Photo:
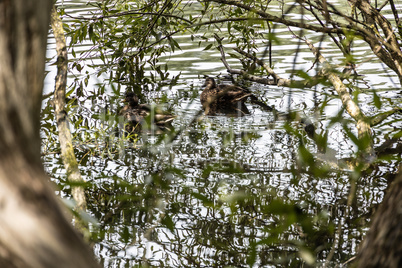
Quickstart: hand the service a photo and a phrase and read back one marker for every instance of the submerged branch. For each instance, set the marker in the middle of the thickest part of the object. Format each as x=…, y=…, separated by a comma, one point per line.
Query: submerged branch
x=67, y=150
x=279, y=81
x=250, y=77
x=390, y=146
x=276, y=81
x=382, y=116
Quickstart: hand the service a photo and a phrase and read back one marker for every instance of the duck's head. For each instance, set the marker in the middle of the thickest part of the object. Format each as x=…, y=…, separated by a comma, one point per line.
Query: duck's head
x=131, y=98
x=209, y=82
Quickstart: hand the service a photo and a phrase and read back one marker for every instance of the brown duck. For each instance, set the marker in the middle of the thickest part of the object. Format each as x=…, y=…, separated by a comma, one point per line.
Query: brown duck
x=142, y=116
x=223, y=99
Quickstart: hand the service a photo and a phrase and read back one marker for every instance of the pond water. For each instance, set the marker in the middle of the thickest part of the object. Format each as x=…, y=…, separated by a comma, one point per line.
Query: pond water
x=226, y=190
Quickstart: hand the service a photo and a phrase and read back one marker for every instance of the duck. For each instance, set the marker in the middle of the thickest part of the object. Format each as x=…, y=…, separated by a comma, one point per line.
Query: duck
x=223, y=99
x=139, y=117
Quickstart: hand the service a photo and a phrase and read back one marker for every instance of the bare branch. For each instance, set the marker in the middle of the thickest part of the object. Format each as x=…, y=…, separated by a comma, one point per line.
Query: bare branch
x=245, y=75
x=278, y=80
x=281, y=20
x=363, y=127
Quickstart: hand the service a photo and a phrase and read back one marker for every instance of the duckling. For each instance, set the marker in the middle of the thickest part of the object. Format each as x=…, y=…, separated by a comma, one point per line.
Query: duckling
x=225, y=99
x=137, y=114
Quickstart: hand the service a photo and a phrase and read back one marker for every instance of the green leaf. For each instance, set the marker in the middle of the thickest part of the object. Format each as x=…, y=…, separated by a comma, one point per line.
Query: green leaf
x=252, y=257
x=176, y=44
x=208, y=47
x=205, y=200
x=377, y=100
x=168, y=222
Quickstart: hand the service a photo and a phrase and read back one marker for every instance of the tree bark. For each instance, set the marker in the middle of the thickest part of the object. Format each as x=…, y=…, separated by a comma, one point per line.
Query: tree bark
x=385, y=46
x=67, y=149
x=34, y=230
x=382, y=246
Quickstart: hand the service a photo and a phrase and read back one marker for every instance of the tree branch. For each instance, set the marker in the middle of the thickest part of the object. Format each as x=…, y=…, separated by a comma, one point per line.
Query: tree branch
x=121, y=14
x=67, y=150
x=278, y=80
x=245, y=75
x=363, y=127
x=387, y=49
x=281, y=20
x=382, y=116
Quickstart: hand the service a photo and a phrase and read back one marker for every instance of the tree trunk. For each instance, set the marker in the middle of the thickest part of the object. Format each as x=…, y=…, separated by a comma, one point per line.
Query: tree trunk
x=382, y=247
x=66, y=143
x=34, y=230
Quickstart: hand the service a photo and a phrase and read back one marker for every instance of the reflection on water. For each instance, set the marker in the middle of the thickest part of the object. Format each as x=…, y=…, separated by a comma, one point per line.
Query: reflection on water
x=226, y=190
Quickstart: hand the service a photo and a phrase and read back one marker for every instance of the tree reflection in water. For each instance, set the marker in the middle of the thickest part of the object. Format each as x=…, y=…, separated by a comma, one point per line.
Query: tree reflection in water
x=217, y=197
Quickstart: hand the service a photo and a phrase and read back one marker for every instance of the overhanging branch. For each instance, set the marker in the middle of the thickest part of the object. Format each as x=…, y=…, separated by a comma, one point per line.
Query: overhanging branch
x=362, y=122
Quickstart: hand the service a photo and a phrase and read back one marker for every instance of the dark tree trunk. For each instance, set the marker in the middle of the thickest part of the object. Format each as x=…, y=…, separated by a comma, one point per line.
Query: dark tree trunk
x=383, y=245
x=34, y=230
